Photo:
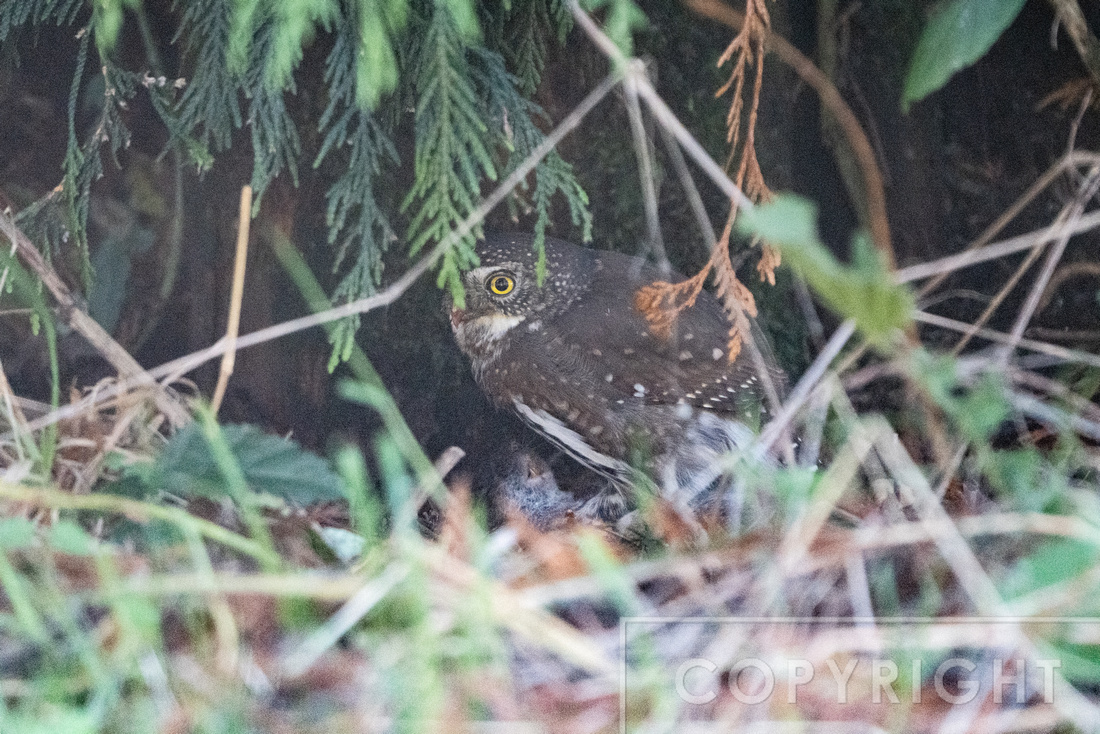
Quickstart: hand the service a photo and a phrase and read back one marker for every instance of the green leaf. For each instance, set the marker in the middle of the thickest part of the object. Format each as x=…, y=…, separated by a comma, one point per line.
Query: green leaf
x=68, y=537
x=1052, y=562
x=16, y=532
x=1019, y=473
x=958, y=34
x=984, y=409
x=51, y=718
x=864, y=291
x=271, y=465
x=621, y=21
x=346, y=545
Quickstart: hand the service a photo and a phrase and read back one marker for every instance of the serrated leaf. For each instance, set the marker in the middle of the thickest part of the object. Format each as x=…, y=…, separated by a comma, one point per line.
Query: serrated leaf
x=958, y=33
x=863, y=291
x=271, y=465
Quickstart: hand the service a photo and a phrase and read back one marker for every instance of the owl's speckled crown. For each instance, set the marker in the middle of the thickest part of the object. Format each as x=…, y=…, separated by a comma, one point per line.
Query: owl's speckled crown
x=569, y=269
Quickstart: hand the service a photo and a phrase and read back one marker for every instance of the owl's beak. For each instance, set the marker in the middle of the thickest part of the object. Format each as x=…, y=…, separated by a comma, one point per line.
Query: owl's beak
x=458, y=315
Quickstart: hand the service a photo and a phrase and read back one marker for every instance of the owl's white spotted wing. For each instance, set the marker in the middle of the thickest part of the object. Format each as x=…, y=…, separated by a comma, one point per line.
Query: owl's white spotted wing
x=691, y=367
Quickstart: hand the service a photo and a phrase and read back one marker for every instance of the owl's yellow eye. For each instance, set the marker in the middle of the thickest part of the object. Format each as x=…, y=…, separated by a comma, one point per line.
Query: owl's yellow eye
x=500, y=284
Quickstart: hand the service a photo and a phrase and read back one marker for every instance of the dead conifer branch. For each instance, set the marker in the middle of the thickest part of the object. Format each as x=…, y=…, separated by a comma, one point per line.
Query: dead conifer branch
x=831, y=100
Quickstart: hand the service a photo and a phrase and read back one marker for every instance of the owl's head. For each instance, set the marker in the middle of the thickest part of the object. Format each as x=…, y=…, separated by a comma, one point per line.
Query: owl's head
x=503, y=291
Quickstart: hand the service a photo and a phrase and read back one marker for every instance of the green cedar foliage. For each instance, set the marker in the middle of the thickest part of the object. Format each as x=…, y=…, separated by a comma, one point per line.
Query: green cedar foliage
x=468, y=70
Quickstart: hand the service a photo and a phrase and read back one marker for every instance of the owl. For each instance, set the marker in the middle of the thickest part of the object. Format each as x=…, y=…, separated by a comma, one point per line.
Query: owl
x=577, y=360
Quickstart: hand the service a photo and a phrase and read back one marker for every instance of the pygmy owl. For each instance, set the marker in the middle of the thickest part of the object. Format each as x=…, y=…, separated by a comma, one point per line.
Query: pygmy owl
x=579, y=362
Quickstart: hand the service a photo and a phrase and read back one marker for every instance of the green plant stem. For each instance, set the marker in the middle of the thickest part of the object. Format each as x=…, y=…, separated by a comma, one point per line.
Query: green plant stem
x=18, y=593
x=137, y=511
x=237, y=486
x=377, y=396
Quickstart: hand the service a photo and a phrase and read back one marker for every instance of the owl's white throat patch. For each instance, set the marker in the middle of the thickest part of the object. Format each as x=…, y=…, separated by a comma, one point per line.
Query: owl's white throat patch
x=480, y=337
x=494, y=326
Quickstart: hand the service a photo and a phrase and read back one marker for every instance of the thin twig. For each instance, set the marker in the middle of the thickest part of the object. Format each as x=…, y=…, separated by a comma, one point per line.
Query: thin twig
x=695, y=201
x=1066, y=163
x=997, y=250
x=353, y=610
x=996, y=301
x=134, y=510
x=646, y=171
x=806, y=385
x=77, y=318
x=636, y=77
x=1084, y=195
x=1049, y=414
x=1087, y=45
x=1036, y=381
x=1068, y=355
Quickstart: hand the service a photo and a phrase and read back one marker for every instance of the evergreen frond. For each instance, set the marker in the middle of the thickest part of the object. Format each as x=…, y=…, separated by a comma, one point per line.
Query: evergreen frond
x=275, y=141
x=472, y=118
x=83, y=162
x=353, y=216
x=532, y=21
x=529, y=45
x=451, y=152
x=510, y=111
x=17, y=13
x=271, y=38
x=210, y=109
x=379, y=22
x=296, y=22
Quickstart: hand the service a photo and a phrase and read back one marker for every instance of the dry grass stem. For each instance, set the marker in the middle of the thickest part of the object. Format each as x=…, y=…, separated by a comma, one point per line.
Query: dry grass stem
x=236, y=296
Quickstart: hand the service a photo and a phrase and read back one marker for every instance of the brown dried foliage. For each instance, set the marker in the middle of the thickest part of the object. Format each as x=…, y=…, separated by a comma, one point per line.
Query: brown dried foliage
x=661, y=302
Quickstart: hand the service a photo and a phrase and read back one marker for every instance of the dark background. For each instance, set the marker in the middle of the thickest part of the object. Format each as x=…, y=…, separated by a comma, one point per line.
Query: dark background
x=951, y=166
